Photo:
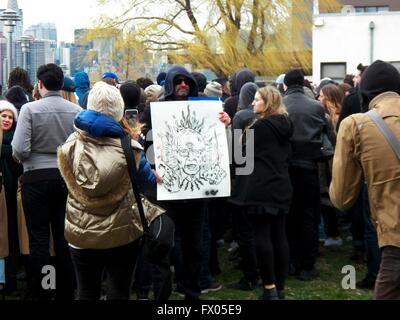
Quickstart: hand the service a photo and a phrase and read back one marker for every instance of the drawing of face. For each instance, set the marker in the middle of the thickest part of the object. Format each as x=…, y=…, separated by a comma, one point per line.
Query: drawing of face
x=190, y=151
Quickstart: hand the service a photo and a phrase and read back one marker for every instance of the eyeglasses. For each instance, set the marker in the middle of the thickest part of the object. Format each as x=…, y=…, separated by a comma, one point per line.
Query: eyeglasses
x=180, y=80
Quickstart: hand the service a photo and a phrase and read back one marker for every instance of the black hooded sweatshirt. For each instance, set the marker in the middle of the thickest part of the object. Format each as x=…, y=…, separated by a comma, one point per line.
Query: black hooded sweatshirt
x=268, y=185
x=238, y=81
x=169, y=93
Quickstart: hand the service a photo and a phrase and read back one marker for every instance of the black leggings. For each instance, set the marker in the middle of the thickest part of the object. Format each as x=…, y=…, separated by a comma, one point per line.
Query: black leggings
x=272, y=248
x=117, y=263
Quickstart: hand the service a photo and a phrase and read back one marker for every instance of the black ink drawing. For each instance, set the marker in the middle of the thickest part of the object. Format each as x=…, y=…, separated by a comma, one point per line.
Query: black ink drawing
x=189, y=159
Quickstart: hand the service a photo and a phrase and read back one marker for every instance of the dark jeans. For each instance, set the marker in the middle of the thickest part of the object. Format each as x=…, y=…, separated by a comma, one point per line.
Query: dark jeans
x=143, y=276
x=372, y=251
x=116, y=263
x=272, y=248
x=387, y=286
x=44, y=206
x=304, y=217
x=206, y=278
x=356, y=213
x=188, y=217
x=331, y=221
x=218, y=209
x=247, y=246
x=11, y=261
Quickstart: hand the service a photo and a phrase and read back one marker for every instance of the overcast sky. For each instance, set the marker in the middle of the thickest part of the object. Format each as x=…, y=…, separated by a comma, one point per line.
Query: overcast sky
x=66, y=14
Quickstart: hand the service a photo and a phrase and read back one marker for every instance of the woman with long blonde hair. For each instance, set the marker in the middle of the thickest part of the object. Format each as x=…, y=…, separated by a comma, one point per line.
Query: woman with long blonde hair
x=265, y=193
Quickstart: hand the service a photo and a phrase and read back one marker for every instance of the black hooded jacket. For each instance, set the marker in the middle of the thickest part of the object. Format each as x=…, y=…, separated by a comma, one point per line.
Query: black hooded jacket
x=268, y=185
x=145, y=118
x=238, y=81
x=169, y=82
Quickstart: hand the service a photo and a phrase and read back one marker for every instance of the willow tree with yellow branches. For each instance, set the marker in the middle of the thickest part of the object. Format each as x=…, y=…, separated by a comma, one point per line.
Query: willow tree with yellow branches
x=267, y=36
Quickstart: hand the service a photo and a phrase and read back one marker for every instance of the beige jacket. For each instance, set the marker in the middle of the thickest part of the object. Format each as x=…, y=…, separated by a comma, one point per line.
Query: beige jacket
x=363, y=154
x=101, y=208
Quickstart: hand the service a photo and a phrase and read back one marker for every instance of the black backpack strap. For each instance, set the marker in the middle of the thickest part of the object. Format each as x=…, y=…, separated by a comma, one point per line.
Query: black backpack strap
x=130, y=160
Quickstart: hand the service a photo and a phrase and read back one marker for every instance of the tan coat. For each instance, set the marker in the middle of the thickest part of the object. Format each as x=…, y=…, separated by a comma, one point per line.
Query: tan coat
x=3, y=213
x=362, y=153
x=99, y=207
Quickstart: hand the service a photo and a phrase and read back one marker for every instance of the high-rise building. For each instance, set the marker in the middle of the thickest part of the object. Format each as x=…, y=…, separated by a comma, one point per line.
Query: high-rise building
x=13, y=4
x=40, y=52
x=43, y=31
x=3, y=54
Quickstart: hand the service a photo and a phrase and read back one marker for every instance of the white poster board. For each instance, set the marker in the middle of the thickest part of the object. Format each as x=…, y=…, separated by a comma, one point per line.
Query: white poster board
x=191, y=150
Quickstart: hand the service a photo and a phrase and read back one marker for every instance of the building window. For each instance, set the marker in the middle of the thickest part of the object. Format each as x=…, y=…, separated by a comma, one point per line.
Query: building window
x=336, y=71
x=383, y=8
x=372, y=9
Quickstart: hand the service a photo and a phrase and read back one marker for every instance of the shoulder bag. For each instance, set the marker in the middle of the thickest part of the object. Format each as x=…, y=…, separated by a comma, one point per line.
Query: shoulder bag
x=158, y=238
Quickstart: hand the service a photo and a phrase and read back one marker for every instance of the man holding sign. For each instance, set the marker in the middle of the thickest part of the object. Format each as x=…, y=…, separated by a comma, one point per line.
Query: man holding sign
x=187, y=145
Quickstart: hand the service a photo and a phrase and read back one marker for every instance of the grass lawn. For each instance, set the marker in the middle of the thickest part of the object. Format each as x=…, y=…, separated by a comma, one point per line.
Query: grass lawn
x=326, y=287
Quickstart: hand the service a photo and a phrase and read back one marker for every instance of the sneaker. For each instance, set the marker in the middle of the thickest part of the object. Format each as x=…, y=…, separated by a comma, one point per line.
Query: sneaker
x=243, y=285
x=331, y=242
x=179, y=290
x=214, y=287
x=308, y=275
x=270, y=294
x=233, y=246
x=366, y=283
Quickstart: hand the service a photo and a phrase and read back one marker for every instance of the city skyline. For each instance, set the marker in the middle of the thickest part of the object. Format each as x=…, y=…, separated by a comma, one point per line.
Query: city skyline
x=67, y=16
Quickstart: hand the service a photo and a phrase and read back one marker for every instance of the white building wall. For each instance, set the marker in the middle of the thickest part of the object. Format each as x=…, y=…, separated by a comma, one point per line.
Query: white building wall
x=346, y=38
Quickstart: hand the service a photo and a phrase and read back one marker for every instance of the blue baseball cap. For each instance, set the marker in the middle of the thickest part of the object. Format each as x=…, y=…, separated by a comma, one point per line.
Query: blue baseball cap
x=68, y=85
x=110, y=75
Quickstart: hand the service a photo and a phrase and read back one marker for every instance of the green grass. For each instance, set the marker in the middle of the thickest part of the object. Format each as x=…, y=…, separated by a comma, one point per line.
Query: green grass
x=326, y=287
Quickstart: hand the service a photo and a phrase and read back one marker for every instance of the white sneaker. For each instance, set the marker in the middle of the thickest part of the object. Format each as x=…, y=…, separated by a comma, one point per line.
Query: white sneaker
x=330, y=242
x=233, y=246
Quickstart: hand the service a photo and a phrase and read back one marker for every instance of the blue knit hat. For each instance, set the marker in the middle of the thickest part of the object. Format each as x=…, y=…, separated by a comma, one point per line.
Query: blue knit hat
x=68, y=85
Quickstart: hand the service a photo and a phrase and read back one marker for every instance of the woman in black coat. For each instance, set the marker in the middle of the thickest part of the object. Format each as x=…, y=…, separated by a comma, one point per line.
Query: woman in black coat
x=266, y=192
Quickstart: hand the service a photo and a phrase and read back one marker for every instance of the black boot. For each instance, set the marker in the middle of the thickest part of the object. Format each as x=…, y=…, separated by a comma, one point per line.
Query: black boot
x=270, y=294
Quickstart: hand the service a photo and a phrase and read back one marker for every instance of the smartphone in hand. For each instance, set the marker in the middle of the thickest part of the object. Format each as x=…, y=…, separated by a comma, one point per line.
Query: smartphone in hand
x=131, y=115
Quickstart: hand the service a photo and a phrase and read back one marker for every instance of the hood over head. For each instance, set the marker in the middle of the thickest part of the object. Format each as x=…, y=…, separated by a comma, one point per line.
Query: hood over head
x=81, y=80
x=242, y=77
x=201, y=80
x=247, y=94
x=169, y=82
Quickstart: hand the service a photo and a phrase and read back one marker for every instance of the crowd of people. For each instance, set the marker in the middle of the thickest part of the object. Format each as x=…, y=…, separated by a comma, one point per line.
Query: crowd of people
x=67, y=200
